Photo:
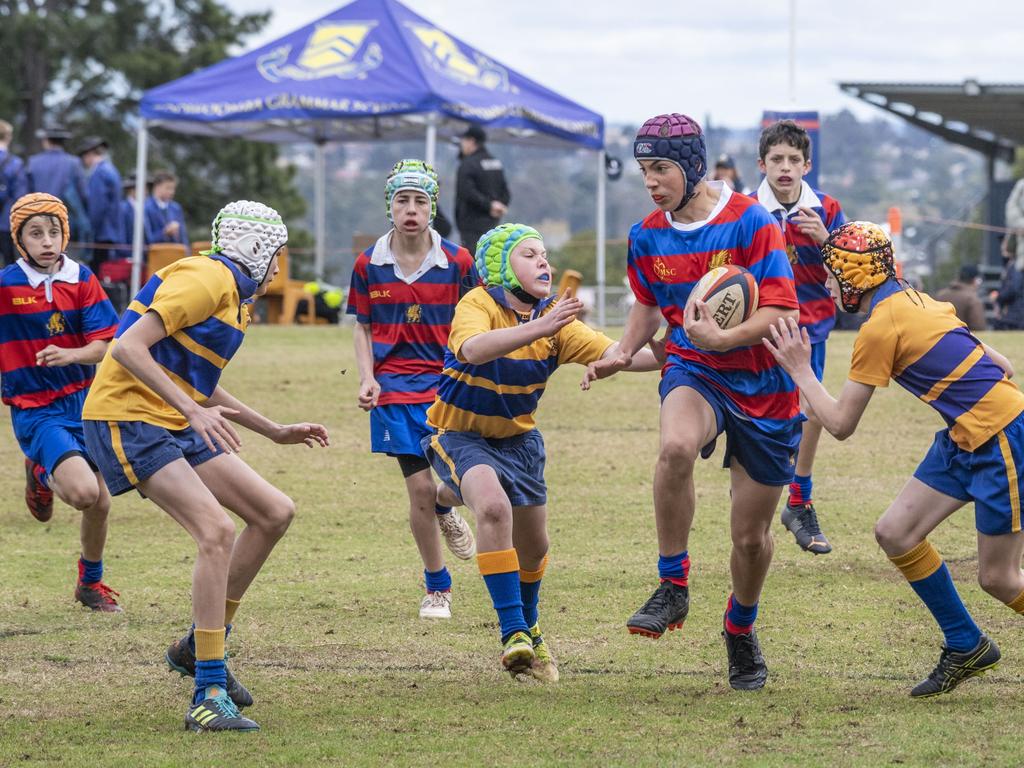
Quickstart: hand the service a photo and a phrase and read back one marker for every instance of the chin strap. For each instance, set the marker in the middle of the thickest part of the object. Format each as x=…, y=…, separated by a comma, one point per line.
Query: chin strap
x=523, y=296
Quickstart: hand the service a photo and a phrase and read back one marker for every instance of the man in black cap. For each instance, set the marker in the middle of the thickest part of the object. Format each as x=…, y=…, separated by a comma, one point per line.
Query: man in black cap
x=103, y=201
x=725, y=170
x=481, y=194
x=58, y=173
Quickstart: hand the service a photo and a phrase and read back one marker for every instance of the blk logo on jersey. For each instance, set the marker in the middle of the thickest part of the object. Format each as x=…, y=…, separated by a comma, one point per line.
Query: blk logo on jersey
x=22, y=300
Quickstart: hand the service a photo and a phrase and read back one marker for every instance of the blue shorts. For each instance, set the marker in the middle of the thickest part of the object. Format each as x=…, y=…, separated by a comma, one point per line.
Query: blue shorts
x=768, y=457
x=128, y=452
x=818, y=360
x=51, y=433
x=398, y=429
x=992, y=476
x=517, y=461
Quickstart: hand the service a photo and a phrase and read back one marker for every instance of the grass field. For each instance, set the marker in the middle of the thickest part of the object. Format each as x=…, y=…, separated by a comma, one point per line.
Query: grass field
x=344, y=673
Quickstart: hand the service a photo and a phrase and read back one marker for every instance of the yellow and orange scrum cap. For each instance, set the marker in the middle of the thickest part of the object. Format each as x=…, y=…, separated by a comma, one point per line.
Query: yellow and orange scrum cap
x=36, y=204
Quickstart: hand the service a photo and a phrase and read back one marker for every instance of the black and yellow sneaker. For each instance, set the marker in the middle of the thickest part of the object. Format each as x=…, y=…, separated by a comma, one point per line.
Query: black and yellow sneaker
x=747, y=670
x=956, y=666
x=517, y=653
x=802, y=521
x=666, y=609
x=216, y=712
x=182, y=659
x=543, y=667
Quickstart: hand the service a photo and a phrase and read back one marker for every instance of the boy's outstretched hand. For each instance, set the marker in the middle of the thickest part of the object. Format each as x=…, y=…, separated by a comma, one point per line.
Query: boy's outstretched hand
x=564, y=312
x=789, y=345
x=310, y=434
x=605, y=367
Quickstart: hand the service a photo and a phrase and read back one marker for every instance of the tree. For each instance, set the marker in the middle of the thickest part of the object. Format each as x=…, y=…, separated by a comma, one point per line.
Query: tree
x=85, y=64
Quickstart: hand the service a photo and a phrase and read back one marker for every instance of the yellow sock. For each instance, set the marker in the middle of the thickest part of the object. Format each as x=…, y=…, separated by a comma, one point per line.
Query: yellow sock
x=919, y=563
x=209, y=644
x=1017, y=603
x=230, y=606
x=502, y=561
x=533, y=576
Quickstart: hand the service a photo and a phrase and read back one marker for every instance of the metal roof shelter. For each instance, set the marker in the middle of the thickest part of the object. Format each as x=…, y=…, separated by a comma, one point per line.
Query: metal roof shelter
x=986, y=117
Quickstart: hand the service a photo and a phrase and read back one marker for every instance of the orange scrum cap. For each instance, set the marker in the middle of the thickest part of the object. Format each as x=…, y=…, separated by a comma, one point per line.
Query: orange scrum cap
x=36, y=204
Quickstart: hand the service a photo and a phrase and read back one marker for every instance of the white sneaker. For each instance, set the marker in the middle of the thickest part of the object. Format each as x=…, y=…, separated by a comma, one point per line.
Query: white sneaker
x=457, y=534
x=436, y=605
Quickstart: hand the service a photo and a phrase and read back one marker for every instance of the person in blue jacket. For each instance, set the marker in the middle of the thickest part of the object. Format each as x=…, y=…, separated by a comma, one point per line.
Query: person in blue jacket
x=165, y=221
x=103, y=190
x=13, y=184
x=56, y=172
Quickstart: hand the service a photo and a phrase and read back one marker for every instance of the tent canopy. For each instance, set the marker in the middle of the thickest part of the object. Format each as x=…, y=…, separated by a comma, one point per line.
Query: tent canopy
x=368, y=71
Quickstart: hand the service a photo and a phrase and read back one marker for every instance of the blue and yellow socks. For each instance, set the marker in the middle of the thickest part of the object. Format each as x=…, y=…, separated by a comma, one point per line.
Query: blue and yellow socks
x=739, y=618
x=501, y=575
x=438, y=581
x=675, y=568
x=929, y=577
x=800, y=490
x=90, y=572
x=529, y=590
x=210, y=667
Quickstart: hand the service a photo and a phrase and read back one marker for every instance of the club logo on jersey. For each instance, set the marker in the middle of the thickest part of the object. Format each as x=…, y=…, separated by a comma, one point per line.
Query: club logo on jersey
x=791, y=253
x=56, y=325
x=333, y=50
x=22, y=300
x=446, y=57
x=663, y=270
x=414, y=314
x=719, y=259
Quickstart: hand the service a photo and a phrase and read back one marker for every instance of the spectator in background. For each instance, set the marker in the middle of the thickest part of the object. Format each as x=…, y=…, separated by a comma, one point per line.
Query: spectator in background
x=55, y=172
x=962, y=293
x=127, y=213
x=1013, y=244
x=1009, y=298
x=165, y=221
x=725, y=170
x=481, y=193
x=13, y=184
x=103, y=189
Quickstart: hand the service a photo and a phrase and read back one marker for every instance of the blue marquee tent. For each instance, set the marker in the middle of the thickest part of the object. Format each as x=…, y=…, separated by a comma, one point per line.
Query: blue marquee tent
x=371, y=70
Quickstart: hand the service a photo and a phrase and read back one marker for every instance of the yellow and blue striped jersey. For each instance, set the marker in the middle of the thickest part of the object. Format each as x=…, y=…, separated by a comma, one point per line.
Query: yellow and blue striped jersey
x=499, y=399
x=200, y=300
x=926, y=349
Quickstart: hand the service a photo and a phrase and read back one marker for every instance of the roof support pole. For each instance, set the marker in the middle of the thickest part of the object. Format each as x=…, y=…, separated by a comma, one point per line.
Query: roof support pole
x=993, y=216
x=430, y=152
x=320, y=206
x=601, y=225
x=138, y=235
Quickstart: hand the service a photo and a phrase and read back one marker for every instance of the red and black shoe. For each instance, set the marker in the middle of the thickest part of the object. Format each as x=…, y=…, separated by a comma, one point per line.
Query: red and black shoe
x=98, y=597
x=38, y=497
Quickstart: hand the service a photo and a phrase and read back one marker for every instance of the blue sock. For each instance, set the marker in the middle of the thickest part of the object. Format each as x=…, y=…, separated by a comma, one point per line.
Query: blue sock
x=438, y=581
x=939, y=594
x=438, y=509
x=529, y=591
x=739, y=619
x=508, y=602
x=800, y=490
x=212, y=672
x=90, y=572
x=675, y=568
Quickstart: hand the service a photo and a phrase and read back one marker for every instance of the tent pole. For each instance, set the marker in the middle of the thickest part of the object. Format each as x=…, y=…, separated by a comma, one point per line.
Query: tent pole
x=320, y=207
x=142, y=139
x=601, y=180
x=431, y=148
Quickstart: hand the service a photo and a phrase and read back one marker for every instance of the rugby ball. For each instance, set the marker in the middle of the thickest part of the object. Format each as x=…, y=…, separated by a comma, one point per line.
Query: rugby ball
x=730, y=293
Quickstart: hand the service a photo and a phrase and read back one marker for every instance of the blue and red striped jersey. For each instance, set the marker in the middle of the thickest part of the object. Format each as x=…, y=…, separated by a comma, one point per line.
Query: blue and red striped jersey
x=409, y=321
x=665, y=261
x=817, y=310
x=66, y=309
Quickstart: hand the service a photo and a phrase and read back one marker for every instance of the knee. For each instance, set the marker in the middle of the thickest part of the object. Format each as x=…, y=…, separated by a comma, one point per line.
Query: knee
x=83, y=496
x=492, y=512
x=1001, y=583
x=892, y=539
x=680, y=455
x=279, y=517
x=217, y=537
x=751, y=544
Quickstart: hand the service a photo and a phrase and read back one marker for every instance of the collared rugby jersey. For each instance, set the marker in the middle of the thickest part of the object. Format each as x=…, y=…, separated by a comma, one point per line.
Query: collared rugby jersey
x=409, y=321
x=499, y=399
x=66, y=309
x=817, y=309
x=666, y=259
x=924, y=347
x=200, y=301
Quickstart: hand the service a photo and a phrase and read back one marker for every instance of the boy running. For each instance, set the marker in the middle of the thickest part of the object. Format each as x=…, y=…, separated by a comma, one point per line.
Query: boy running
x=403, y=294
x=714, y=381
x=157, y=420
x=506, y=340
x=806, y=216
x=55, y=325
x=922, y=345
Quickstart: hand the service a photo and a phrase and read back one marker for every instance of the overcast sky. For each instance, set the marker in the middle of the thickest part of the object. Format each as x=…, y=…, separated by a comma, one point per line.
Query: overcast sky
x=723, y=58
